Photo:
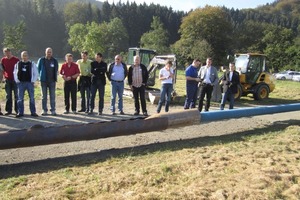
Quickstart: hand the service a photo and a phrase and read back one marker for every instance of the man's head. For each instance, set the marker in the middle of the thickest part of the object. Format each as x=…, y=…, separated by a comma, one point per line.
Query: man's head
x=7, y=52
x=231, y=67
x=48, y=53
x=196, y=63
x=98, y=57
x=137, y=60
x=24, y=56
x=169, y=64
x=69, y=58
x=208, y=61
x=118, y=59
x=84, y=55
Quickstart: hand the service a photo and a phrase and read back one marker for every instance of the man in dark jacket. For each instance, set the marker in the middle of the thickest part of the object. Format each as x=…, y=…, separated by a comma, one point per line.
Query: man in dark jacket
x=48, y=70
x=137, y=80
x=230, y=84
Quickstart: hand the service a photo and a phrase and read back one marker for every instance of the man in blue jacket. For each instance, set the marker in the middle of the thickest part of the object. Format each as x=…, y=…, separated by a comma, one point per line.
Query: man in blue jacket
x=48, y=68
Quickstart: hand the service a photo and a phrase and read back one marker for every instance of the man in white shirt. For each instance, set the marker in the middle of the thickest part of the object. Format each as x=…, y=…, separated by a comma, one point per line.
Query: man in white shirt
x=209, y=78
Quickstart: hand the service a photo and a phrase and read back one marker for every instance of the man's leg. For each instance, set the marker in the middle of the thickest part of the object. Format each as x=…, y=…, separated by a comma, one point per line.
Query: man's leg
x=15, y=89
x=101, y=91
x=44, y=97
x=8, y=91
x=88, y=98
x=143, y=99
x=135, y=92
x=223, y=101
x=52, y=89
x=201, y=97
x=189, y=96
x=93, y=96
x=21, y=90
x=73, y=95
x=82, y=95
x=67, y=91
x=120, y=95
x=231, y=100
x=168, y=98
x=30, y=88
x=162, y=98
x=113, y=96
x=208, y=96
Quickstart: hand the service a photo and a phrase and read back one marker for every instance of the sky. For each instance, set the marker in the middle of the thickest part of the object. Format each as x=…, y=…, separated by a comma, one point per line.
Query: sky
x=187, y=5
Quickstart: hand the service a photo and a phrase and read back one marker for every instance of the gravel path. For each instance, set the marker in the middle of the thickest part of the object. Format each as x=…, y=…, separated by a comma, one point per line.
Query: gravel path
x=39, y=153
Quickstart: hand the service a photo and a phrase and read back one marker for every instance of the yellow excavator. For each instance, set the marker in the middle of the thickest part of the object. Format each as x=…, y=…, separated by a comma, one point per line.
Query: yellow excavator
x=254, y=76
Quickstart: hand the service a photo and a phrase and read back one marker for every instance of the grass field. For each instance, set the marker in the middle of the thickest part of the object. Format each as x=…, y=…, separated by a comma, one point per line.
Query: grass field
x=258, y=164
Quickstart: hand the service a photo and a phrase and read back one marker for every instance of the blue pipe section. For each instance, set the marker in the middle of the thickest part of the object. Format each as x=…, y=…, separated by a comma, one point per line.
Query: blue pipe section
x=247, y=112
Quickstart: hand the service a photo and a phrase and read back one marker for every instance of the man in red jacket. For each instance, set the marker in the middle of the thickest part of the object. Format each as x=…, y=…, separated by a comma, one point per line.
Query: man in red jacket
x=8, y=63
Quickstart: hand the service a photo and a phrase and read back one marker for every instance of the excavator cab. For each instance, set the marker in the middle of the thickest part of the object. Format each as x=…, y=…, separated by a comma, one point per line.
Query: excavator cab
x=146, y=55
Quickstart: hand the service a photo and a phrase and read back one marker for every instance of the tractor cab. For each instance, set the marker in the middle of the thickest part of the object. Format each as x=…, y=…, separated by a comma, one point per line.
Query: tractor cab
x=146, y=55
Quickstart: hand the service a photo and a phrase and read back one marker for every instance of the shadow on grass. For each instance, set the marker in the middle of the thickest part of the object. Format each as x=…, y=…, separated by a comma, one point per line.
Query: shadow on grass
x=42, y=166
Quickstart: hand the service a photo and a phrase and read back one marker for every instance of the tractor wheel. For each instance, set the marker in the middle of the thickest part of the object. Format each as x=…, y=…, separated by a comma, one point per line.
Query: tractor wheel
x=238, y=95
x=262, y=92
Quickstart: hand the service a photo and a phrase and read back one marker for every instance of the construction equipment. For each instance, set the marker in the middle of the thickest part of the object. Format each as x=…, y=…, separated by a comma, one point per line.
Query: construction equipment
x=153, y=63
x=254, y=76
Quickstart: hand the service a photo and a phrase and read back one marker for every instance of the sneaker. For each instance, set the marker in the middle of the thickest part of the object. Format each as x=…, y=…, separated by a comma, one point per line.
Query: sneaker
x=19, y=115
x=145, y=113
x=122, y=113
x=100, y=113
x=34, y=115
x=7, y=113
x=66, y=112
x=74, y=111
x=44, y=113
x=136, y=113
x=91, y=112
x=53, y=113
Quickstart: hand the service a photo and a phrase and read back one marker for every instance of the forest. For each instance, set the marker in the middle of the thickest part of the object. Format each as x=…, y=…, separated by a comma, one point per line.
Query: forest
x=73, y=26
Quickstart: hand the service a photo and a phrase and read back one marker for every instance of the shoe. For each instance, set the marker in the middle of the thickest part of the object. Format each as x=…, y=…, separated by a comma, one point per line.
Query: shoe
x=44, y=113
x=122, y=113
x=113, y=113
x=81, y=110
x=53, y=113
x=145, y=113
x=74, y=112
x=34, y=115
x=100, y=113
x=7, y=113
x=91, y=112
x=19, y=115
x=1, y=113
x=66, y=112
x=136, y=113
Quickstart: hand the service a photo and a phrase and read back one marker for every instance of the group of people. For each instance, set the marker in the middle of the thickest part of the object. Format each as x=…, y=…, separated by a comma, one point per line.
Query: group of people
x=20, y=75
x=200, y=84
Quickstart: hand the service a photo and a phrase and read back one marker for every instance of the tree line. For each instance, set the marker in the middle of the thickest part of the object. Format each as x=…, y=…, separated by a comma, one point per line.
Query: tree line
x=95, y=26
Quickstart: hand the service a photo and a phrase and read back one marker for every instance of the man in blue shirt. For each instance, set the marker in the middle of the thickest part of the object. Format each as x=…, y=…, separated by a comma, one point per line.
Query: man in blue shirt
x=192, y=80
x=117, y=72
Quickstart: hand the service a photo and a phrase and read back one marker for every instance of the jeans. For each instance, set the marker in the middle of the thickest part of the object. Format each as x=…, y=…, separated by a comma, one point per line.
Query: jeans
x=22, y=86
x=10, y=86
x=117, y=88
x=52, y=87
x=85, y=93
x=205, y=89
x=98, y=85
x=227, y=95
x=139, y=93
x=191, y=95
x=165, y=97
x=70, y=87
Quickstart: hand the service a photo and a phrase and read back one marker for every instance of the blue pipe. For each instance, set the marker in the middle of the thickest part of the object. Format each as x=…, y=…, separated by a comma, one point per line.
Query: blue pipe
x=247, y=112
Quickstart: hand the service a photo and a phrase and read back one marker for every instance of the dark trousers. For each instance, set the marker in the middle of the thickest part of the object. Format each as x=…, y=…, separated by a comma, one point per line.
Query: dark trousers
x=98, y=85
x=205, y=89
x=85, y=93
x=70, y=88
x=139, y=93
x=10, y=87
x=191, y=95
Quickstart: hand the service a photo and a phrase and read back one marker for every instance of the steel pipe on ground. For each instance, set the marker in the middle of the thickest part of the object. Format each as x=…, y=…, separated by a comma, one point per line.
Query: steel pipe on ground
x=39, y=135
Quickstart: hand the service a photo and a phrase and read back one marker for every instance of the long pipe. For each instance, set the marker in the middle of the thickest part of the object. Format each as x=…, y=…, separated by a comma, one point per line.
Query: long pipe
x=39, y=135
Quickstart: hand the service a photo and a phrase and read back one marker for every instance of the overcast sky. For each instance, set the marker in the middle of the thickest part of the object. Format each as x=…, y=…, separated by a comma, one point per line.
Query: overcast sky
x=187, y=5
